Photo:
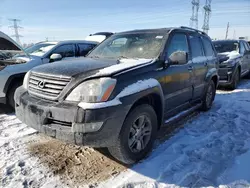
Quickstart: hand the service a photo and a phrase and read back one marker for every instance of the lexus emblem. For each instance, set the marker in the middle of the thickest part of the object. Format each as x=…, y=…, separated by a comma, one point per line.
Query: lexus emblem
x=41, y=84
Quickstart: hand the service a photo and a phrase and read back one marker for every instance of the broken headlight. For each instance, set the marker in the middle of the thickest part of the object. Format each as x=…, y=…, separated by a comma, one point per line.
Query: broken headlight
x=98, y=90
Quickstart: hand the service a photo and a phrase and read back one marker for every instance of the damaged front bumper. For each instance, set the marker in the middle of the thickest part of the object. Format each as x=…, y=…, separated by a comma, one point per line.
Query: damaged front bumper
x=70, y=123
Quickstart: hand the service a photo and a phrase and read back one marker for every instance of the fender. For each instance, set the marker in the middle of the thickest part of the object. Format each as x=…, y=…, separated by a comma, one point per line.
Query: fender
x=11, y=78
x=211, y=73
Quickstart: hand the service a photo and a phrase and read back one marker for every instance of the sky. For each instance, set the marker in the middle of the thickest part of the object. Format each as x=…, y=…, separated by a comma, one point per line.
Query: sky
x=75, y=19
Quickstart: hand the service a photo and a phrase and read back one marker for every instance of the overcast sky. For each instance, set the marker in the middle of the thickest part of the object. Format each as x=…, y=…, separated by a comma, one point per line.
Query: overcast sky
x=75, y=19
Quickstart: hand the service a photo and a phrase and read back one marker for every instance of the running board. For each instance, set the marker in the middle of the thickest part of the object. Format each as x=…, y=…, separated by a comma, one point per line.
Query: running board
x=181, y=115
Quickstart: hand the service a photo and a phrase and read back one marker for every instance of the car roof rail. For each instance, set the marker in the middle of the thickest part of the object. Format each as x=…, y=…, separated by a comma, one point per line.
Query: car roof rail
x=192, y=29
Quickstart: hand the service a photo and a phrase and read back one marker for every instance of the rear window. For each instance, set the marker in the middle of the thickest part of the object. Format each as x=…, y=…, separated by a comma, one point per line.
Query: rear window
x=196, y=47
x=85, y=48
x=207, y=47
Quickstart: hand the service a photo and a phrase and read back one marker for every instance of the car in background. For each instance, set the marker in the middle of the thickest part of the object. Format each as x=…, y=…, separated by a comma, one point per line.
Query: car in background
x=123, y=92
x=99, y=37
x=234, y=58
x=15, y=61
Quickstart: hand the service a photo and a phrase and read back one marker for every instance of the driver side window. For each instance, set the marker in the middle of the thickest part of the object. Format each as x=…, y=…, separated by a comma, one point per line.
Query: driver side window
x=66, y=50
x=178, y=43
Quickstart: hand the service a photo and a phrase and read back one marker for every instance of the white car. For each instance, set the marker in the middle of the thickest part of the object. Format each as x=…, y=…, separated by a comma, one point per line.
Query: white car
x=15, y=62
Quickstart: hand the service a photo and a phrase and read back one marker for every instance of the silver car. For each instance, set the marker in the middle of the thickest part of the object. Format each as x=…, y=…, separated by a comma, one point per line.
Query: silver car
x=15, y=62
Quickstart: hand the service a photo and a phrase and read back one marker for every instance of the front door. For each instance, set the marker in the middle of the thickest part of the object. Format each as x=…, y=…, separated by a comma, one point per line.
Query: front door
x=178, y=85
x=200, y=65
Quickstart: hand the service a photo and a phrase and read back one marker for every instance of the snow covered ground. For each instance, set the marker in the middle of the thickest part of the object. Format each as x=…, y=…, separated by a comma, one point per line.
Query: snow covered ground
x=211, y=149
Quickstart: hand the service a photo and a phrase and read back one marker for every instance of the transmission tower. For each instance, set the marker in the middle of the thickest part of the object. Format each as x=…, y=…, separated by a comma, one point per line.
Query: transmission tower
x=16, y=27
x=195, y=10
x=207, y=9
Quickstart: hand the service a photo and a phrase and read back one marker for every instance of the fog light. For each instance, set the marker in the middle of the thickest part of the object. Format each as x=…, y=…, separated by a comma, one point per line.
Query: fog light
x=86, y=127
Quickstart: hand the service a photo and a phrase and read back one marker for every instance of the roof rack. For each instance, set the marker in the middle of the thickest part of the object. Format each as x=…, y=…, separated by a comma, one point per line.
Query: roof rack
x=192, y=29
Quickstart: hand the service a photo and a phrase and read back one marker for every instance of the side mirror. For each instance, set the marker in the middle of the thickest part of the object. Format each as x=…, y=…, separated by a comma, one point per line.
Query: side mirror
x=178, y=58
x=55, y=57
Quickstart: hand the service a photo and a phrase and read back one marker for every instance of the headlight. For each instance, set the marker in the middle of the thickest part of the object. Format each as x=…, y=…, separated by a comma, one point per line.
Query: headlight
x=230, y=63
x=98, y=90
x=26, y=80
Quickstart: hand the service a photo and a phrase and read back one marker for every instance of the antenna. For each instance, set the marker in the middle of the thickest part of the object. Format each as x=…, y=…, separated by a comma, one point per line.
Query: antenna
x=16, y=27
x=227, y=30
x=207, y=9
x=194, y=17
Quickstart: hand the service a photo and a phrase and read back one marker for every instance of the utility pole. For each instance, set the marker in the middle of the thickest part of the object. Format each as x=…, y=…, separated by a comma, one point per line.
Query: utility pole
x=207, y=9
x=15, y=26
x=227, y=30
x=195, y=10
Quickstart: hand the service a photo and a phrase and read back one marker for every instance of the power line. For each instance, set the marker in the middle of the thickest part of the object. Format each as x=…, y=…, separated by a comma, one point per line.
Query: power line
x=195, y=10
x=207, y=9
x=16, y=27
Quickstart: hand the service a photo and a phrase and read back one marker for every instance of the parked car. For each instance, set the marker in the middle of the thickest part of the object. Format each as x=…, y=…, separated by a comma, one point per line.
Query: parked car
x=123, y=92
x=15, y=62
x=234, y=58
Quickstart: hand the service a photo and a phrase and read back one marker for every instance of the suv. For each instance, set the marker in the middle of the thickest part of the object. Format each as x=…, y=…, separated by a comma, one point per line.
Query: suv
x=126, y=89
x=15, y=62
x=234, y=58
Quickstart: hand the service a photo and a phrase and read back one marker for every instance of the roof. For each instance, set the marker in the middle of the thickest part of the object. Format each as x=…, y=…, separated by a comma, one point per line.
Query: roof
x=165, y=30
x=77, y=41
x=226, y=40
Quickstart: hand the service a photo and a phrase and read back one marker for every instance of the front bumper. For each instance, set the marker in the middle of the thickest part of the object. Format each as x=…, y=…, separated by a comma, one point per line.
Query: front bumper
x=226, y=76
x=58, y=120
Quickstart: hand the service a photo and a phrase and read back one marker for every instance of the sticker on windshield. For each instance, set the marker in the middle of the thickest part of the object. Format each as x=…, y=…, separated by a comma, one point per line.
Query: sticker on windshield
x=159, y=37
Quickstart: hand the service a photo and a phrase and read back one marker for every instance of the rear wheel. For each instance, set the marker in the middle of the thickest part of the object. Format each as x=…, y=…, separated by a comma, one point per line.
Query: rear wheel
x=137, y=135
x=236, y=80
x=209, y=96
x=11, y=93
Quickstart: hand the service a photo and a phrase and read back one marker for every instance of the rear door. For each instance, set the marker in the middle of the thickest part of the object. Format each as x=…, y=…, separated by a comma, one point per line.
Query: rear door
x=178, y=85
x=247, y=53
x=200, y=65
x=244, y=60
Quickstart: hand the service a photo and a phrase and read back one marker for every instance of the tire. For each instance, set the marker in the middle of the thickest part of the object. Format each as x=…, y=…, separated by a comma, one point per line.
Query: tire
x=236, y=80
x=209, y=96
x=127, y=148
x=10, y=95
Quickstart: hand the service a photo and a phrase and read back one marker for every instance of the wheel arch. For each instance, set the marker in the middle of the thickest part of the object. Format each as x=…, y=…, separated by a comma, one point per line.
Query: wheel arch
x=12, y=80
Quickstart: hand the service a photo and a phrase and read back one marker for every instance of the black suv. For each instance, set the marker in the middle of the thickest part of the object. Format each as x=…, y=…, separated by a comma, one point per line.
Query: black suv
x=123, y=92
x=234, y=57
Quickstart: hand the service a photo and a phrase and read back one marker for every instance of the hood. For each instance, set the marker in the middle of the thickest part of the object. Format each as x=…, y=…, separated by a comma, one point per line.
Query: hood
x=9, y=45
x=89, y=67
x=226, y=56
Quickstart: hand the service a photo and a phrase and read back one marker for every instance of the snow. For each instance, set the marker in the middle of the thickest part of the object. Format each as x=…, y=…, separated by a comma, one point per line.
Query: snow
x=124, y=64
x=232, y=54
x=96, y=38
x=129, y=90
x=211, y=149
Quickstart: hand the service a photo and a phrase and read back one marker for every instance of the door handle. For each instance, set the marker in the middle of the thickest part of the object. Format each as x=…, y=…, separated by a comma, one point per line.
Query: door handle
x=190, y=68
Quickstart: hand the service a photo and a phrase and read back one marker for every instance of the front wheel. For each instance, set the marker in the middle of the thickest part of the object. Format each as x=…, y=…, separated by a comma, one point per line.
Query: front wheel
x=209, y=96
x=137, y=135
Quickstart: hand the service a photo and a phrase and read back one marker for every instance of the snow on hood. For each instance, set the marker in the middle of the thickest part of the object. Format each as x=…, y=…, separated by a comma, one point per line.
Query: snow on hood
x=232, y=54
x=129, y=90
x=124, y=64
x=96, y=38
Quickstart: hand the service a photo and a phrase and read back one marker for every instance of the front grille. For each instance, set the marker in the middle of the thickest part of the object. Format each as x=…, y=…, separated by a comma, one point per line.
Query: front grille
x=47, y=86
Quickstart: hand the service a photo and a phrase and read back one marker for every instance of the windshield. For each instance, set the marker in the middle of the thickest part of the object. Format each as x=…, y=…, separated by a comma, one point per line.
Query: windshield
x=130, y=45
x=41, y=50
x=222, y=47
x=36, y=47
